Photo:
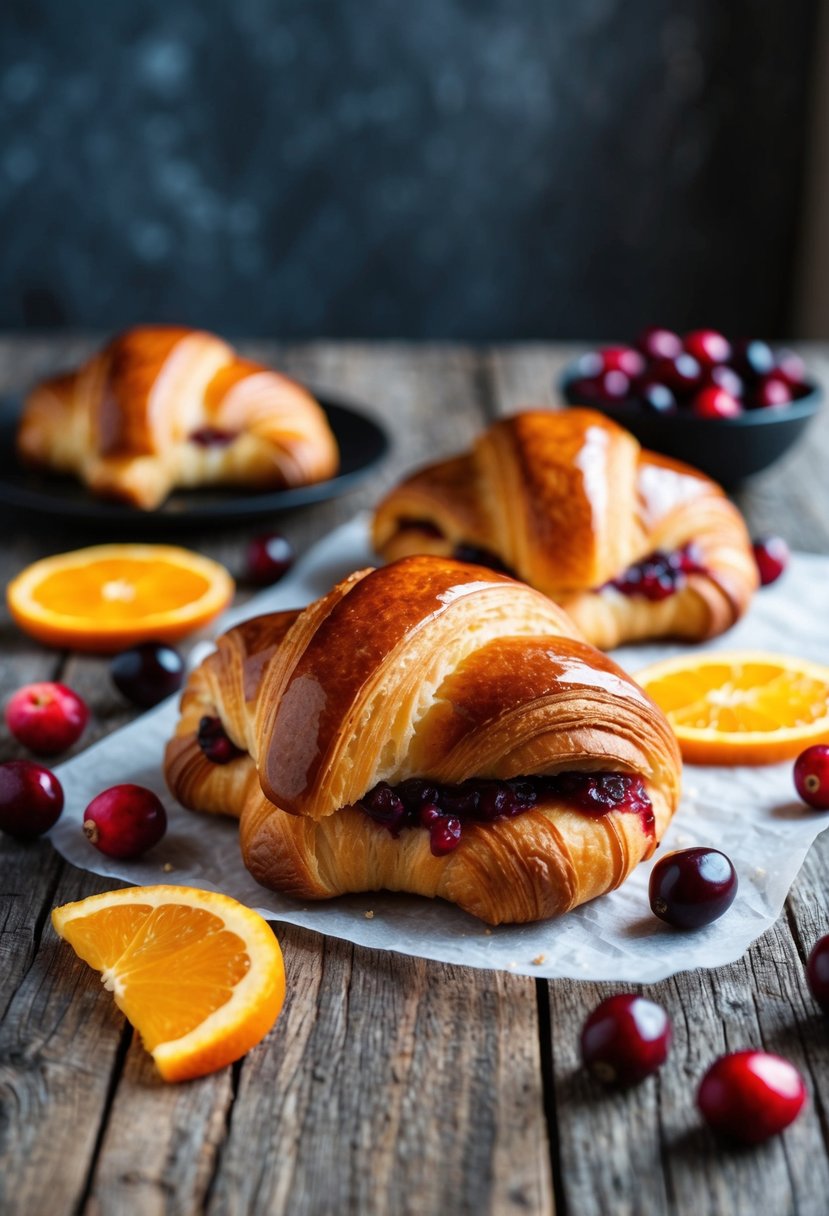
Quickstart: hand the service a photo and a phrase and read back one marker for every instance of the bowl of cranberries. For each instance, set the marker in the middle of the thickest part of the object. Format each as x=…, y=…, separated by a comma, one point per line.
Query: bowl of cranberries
x=728, y=407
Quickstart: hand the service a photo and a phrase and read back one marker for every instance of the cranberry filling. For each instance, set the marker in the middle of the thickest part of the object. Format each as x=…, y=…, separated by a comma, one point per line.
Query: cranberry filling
x=214, y=741
x=659, y=574
x=211, y=437
x=421, y=525
x=444, y=809
x=481, y=557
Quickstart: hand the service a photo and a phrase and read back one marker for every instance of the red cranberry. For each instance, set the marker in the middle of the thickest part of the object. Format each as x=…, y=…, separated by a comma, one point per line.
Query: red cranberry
x=583, y=390
x=655, y=397
x=625, y=1039
x=682, y=374
x=751, y=1095
x=771, y=391
x=751, y=357
x=148, y=673
x=269, y=558
x=125, y=821
x=708, y=347
x=46, y=717
x=713, y=402
x=31, y=799
x=692, y=887
x=811, y=776
x=214, y=741
x=622, y=359
x=723, y=376
x=817, y=972
x=612, y=387
x=656, y=342
x=444, y=835
x=212, y=437
x=771, y=554
x=791, y=368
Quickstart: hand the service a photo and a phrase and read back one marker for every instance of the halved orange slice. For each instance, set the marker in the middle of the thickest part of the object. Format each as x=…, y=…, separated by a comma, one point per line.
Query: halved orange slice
x=110, y=596
x=741, y=708
x=199, y=975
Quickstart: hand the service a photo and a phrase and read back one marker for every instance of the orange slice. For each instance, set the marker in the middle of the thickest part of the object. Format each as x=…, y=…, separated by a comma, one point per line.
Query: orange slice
x=111, y=596
x=741, y=708
x=196, y=973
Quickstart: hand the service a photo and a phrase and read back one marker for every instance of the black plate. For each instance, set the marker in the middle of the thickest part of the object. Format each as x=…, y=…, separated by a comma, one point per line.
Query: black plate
x=362, y=443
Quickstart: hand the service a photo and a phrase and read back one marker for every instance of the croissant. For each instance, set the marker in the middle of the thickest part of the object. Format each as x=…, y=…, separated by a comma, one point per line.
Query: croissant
x=631, y=544
x=162, y=407
x=431, y=727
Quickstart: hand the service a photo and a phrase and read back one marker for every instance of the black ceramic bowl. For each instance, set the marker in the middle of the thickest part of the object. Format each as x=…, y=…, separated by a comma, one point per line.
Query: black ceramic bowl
x=727, y=449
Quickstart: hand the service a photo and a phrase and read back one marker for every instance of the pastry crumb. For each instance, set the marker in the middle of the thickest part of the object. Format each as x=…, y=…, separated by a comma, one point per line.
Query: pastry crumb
x=759, y=872
x=539, y=959
x=512, y=966
x=168, y=867
x=368, y=915
x=488, y=932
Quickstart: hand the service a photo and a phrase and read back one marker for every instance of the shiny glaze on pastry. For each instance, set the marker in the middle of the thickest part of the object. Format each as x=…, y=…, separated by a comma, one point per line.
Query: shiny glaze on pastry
x=164, y=407
x=567, y=501
x=427, y=669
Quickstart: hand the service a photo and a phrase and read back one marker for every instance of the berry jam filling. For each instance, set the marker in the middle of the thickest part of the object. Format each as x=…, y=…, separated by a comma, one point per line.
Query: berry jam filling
x=481, y=557
x=659, y=574
x=444, y=809
x=211, y=437
x=214, y=741
x=421, y=525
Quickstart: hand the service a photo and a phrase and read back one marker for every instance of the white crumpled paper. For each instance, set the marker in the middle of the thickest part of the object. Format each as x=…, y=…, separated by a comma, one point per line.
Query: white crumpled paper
x=752, y=814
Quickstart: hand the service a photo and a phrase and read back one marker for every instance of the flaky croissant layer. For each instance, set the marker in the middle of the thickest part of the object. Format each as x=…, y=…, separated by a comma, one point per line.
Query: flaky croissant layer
x=433, y=669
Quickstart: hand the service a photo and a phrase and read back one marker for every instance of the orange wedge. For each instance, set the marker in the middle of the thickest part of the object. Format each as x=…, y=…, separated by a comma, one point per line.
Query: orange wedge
x=197, y=974
x=111, y=596
x=748, y=708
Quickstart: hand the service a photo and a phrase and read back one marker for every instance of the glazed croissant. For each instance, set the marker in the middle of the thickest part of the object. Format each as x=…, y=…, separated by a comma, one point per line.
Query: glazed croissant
x=430, y=727
x=164, y=407
x=633, y=545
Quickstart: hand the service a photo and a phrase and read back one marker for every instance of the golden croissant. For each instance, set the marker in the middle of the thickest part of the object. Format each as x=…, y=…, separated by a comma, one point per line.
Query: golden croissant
x=430, y=727
x=162, y=407
x=633, y=545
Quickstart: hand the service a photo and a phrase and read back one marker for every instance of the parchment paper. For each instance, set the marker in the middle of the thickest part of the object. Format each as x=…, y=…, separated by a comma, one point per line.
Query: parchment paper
x=752, y=814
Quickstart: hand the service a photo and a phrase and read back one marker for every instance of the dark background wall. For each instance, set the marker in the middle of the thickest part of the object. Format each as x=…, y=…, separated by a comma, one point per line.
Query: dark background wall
x=450, y=168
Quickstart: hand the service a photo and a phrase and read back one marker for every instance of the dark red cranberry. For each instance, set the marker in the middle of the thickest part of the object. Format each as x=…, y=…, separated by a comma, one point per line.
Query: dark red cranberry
x=125, y=821
x=385, y=807
x=655, y=397
x=751, y=1095
x=612, y=387
x=31, y=799
x=214, y=741
x=708, y=347
x=147, y=673
x=46, y=717
x=269, y=558
x=791, y=368
x=811, y=776
x=211, y=437
x=480, y=557
x=771, y=391
x=817, y=972
x=713, y=402
x=444, y=835
x=459, y=800
x=682, y=375
x=751, y=357
x=625, y=1039
x=771, y=554
x=692, y=887
x=622, y=359
x=584, y=390
x=723, y=376
x=659, y=574
x=428, y=814
x=656, y=342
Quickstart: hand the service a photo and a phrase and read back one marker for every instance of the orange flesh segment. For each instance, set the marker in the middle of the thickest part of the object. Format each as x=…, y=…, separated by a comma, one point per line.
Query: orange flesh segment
x=119, y=590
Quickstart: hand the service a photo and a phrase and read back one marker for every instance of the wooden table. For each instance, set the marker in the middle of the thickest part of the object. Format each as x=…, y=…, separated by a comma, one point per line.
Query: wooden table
x=390, y=1084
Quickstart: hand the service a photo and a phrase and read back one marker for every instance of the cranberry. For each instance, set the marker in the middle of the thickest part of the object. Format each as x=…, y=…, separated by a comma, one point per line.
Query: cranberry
x=752, y=357
x=584, y=390
x=790, y=367
x=46, y=717
x=612, y=387
x=625, y=1039
x=212, y=437
x=656, y=397
x=214, y=741
x=148, y=673
x=656, y=342
x=708, y=347
x=771, y=554
x=269, y=558
x=817, y=972
x=622, y=359
x=714, y=402
x=682, y=374
x=751, y=1095
x=725, y=377
x=771, y=391
x=444, y=835
x=811, y=776
x=692, y=887
x=125, y=821
x=31, y=799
